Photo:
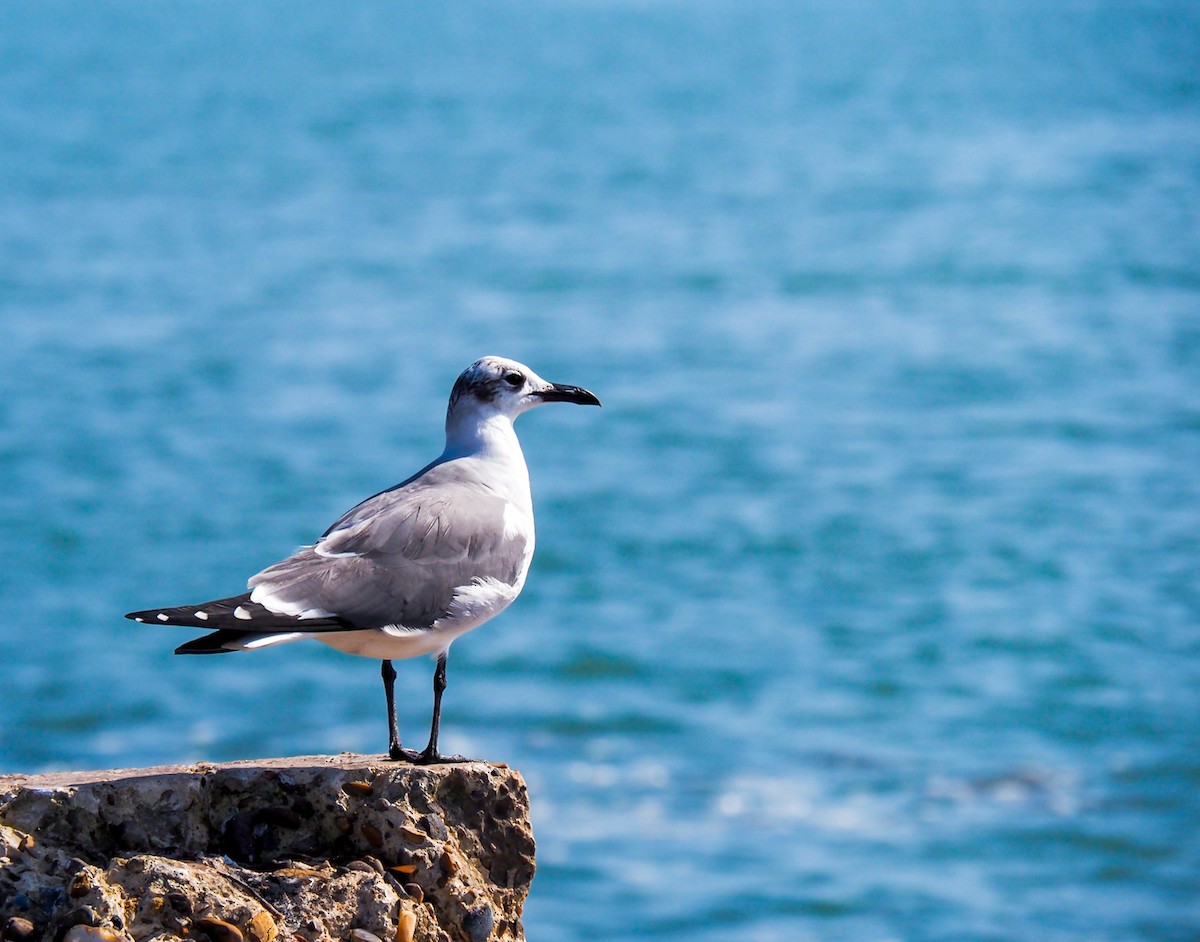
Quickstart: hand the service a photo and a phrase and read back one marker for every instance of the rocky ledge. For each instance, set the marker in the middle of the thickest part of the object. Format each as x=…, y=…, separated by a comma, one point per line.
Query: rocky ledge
x=319, y=848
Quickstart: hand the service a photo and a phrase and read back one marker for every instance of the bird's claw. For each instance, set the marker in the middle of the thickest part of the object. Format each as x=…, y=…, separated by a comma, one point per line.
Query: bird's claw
x=433, y=757
x=426, y=756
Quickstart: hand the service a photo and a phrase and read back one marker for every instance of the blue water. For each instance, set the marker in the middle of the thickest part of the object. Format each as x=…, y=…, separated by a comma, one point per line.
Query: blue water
x=868, y=608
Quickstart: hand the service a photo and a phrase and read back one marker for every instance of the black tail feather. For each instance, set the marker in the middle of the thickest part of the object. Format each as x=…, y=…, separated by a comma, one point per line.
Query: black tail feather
x=237, y=614
x=211, y=643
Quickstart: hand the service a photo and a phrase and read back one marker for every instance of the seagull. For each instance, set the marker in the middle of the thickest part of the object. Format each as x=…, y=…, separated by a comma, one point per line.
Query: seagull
x=407, y=571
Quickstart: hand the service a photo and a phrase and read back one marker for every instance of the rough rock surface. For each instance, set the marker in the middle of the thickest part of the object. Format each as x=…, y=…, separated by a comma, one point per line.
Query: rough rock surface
x=319, y=848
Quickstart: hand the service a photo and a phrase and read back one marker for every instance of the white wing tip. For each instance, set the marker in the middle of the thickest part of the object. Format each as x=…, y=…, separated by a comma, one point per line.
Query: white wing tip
x=328, y=555
x=264, y=641
x=264, y=595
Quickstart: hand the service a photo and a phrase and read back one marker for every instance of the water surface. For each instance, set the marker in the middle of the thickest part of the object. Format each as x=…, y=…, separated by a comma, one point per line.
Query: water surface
x=866, y=608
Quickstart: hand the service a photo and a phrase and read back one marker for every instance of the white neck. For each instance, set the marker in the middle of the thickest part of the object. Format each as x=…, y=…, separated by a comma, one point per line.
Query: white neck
x=487, y=435
x=491, y=438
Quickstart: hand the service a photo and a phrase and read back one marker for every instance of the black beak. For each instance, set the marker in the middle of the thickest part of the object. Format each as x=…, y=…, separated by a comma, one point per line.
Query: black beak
x=560, y=393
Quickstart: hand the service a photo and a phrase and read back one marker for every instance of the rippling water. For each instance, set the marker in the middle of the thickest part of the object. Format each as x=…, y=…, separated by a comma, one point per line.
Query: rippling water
x=866, y=609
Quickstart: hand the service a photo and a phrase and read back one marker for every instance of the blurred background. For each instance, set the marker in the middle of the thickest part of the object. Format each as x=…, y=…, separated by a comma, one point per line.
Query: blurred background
x=867, y=607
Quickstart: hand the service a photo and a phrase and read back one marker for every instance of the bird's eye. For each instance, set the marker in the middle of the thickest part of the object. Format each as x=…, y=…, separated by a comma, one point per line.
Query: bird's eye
x=514, y=379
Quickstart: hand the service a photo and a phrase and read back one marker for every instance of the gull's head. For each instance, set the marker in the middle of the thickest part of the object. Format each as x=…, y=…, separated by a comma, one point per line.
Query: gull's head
x=496, y=386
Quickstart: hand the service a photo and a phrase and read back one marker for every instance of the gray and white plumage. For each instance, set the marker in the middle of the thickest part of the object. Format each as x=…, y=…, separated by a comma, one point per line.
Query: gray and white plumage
x=410, y=569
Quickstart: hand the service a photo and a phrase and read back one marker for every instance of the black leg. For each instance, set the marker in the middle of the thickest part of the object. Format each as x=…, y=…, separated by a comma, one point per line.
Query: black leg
x=395, y=750
x=431, y=754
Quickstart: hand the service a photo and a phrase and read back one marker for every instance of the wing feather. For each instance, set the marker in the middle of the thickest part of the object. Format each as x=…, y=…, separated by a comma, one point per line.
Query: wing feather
x=400, y=556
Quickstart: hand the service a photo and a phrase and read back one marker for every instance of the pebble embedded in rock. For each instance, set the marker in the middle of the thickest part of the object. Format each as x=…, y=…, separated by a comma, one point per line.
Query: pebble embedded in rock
x=301, y=873
x=436, y=827
x=81, y=885
x=93, y=934
x=180, y=903
x=262, y=928
x=218, y=929
x=371, y=833
x=477, y=924
x=406, y=925
x=81, y=916
x=18, y=929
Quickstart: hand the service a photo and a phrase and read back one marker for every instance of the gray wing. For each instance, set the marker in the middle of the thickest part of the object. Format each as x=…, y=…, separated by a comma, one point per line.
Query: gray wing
x=398, y=557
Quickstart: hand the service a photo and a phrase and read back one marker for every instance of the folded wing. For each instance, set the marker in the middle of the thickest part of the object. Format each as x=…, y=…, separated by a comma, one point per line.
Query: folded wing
x=399, y=557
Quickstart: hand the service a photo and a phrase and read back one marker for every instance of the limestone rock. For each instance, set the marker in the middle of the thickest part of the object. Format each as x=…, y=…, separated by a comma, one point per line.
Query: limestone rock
x=317, y=848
